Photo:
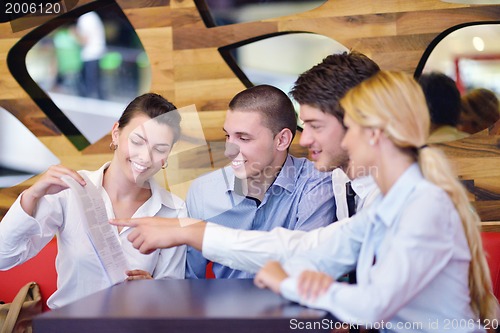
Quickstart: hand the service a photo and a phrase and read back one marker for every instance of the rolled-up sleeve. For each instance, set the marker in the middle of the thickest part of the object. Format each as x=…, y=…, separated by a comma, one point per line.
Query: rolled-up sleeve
x=23, y=236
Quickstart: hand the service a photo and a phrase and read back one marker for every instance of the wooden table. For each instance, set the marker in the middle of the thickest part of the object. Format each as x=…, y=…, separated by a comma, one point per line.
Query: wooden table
x=200, y=306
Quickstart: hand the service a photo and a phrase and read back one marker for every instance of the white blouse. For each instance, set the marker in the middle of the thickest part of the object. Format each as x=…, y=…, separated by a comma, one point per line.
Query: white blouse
x=80, y=272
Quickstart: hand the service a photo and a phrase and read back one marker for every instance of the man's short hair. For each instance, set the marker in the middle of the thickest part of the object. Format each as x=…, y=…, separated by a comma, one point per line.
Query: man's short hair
x=325, y=84
x=273, y=104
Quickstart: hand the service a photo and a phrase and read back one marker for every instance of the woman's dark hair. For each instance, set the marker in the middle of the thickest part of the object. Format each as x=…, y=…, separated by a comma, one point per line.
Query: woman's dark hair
x=155, y=107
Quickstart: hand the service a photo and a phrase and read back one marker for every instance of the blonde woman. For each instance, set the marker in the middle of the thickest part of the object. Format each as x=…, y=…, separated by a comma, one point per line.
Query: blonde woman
x=417, y=249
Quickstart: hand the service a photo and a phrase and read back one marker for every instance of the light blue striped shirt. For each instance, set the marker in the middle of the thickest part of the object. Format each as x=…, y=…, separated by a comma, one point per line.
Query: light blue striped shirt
x=300, y=198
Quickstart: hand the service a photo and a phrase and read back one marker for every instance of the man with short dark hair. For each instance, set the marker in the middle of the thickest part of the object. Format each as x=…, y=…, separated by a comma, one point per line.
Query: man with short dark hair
x=318, y=92
x=264, y=187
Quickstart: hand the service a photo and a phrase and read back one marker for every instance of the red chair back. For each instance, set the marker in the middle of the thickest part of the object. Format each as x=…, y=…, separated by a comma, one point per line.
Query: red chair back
x=491, y=244
x=40, y=269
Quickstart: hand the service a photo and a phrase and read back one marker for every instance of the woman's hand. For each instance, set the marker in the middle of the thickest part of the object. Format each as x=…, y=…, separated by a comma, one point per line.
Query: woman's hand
x=313, y=284
x=270, y=276
x=49, y=183
x=138, y=274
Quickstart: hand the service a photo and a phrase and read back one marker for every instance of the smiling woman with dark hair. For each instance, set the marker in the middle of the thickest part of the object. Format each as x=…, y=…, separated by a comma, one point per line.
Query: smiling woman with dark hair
x=141, y=142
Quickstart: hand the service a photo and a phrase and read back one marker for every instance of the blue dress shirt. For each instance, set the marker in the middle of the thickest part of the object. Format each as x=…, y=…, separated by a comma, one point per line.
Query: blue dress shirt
x=419, y=280
x=300, y=198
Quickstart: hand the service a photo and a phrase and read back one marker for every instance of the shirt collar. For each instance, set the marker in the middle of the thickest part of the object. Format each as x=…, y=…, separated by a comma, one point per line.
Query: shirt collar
x=229, y=178
x=97, y=176
x=339, y=178
x=286, y=176
x=391, y=204
x=363, y=186
x=159, y=195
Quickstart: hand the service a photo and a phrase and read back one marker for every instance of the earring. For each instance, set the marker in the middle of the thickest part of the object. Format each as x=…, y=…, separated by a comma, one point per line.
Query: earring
x=165, y=165
x=371, y=142
x=112, y=146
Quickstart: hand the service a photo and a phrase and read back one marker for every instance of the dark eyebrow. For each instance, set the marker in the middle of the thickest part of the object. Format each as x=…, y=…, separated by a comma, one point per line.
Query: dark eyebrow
x=158, y=144
x=140, y=136
x=239, y=133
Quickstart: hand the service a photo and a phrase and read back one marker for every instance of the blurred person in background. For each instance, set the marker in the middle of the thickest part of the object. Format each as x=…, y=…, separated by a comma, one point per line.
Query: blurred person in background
x=92, y=37
x=443, y=101
x=480, y=110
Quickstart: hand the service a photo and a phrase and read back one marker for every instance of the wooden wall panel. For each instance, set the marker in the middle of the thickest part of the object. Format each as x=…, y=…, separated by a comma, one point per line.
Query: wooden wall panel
x=187, y=69
x=149, y=17
x=28, y=113
x=476, y=159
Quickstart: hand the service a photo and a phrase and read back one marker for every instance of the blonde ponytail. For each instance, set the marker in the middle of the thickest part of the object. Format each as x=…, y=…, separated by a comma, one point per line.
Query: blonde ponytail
x=394, y=102
x=436, y=169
